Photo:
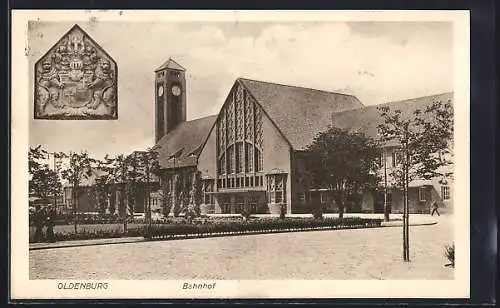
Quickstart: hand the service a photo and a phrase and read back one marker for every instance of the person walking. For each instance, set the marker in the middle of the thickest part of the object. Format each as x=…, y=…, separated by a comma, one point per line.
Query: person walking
x=434, y=209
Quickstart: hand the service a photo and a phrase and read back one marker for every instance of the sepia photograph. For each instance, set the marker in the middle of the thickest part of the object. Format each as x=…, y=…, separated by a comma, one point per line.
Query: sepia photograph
x=236, y=154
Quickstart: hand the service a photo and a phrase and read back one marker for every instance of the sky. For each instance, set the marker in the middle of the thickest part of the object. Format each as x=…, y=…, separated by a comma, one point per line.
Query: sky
x=375, y=61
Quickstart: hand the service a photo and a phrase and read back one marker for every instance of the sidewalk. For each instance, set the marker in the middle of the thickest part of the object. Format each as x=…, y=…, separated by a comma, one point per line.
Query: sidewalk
x=94, y=242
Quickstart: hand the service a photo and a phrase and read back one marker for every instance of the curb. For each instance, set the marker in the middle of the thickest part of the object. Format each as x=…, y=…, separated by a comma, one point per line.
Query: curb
x=69, y=245
x=223, y=234
x=400, y=224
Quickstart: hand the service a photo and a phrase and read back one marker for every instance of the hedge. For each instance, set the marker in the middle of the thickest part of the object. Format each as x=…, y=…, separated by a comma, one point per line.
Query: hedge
x=257, y=226
x=209, y=228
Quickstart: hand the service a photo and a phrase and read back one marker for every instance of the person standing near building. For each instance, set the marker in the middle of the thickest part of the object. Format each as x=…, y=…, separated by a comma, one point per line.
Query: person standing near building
x=434, y=209
x=50, y=226
x=38, y=220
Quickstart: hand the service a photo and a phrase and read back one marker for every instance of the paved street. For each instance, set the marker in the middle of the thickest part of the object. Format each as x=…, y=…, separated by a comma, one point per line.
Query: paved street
x=341, y=254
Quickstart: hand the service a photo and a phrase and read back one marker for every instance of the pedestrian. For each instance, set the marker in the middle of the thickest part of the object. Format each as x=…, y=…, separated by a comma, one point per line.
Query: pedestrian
x=38, y=219
x=50, y=226
x=434, y=209
x=282, y=212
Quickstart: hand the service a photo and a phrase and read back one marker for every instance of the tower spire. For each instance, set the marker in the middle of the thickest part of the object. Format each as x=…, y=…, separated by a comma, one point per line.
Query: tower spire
x=171, y=64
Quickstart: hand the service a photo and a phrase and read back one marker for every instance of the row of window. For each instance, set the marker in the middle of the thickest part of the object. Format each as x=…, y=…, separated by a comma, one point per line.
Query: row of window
x=423, y=193
x=396, y=158
x=237, y=208
x=276, y=188
x=241, y=182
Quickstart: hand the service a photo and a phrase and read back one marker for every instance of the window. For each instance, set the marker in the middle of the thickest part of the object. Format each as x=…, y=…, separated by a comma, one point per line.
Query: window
x=276, y=191
x=383, y=158
x=230, y=160
x=422, y=194
x=302, y=198
x=239, y=158
x=222, y=164
x=226, y=208
x=208, y=188
x=445, y=192
x=249, y=158
x=396, y=158
x=67, y=192
x=258, y=160
x=279, y=191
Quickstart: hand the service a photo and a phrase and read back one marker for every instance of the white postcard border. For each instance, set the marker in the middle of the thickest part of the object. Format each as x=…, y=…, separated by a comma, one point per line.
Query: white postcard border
x=23, y=288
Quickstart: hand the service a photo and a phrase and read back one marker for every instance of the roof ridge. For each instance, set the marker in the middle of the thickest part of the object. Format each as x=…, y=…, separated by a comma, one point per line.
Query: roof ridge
x=418, y=97
x=408, y=100
x=202, y=118
x=186, y=122
x=293, y=86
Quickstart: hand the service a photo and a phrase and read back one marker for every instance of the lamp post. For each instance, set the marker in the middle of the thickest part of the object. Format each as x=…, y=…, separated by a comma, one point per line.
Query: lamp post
x=56, y=170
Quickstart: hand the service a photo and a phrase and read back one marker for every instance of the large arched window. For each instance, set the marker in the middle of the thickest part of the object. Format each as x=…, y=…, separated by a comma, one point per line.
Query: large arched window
x=239, y=139
x=241, y=157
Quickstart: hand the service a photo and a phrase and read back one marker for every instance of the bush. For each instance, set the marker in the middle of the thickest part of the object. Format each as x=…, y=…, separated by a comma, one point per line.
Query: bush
x=318, y=213
x=92, y=232
x=99, y=234
x=449, y=253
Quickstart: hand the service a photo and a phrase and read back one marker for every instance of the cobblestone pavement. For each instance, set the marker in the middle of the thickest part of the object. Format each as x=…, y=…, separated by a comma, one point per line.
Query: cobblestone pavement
x=341, y=254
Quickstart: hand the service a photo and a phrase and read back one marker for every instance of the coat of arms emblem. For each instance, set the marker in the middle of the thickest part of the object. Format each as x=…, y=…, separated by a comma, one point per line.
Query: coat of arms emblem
x=76, y=79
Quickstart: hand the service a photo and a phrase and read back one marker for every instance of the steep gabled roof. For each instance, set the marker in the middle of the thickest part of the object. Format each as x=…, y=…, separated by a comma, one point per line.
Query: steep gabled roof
x=367, y=119
x=181, y=147
x=171, y=64
x=299, y=113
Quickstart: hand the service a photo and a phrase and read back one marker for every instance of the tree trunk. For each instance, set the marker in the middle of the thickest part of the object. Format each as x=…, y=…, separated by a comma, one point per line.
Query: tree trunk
x=406, y=254
x=386, y=205
x=404, y=221
x=75, y=210
x=125, y=205
x=407, y=231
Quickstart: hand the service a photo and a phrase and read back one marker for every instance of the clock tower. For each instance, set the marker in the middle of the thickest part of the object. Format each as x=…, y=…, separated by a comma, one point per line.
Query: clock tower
x=170, y=97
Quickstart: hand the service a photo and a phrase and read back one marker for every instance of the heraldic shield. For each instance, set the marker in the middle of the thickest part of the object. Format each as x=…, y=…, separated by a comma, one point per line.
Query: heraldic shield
x=76, y=79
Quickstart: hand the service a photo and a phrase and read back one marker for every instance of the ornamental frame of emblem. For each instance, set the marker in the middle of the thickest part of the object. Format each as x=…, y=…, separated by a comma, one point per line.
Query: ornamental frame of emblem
x=76, y=79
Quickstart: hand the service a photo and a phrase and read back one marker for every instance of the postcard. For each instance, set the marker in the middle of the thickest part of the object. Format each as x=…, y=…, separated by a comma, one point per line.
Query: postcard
x=239, y=154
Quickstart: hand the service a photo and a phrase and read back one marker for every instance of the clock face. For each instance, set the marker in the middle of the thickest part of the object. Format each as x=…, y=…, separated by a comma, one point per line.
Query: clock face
x=160, y=91
x=176, y=90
